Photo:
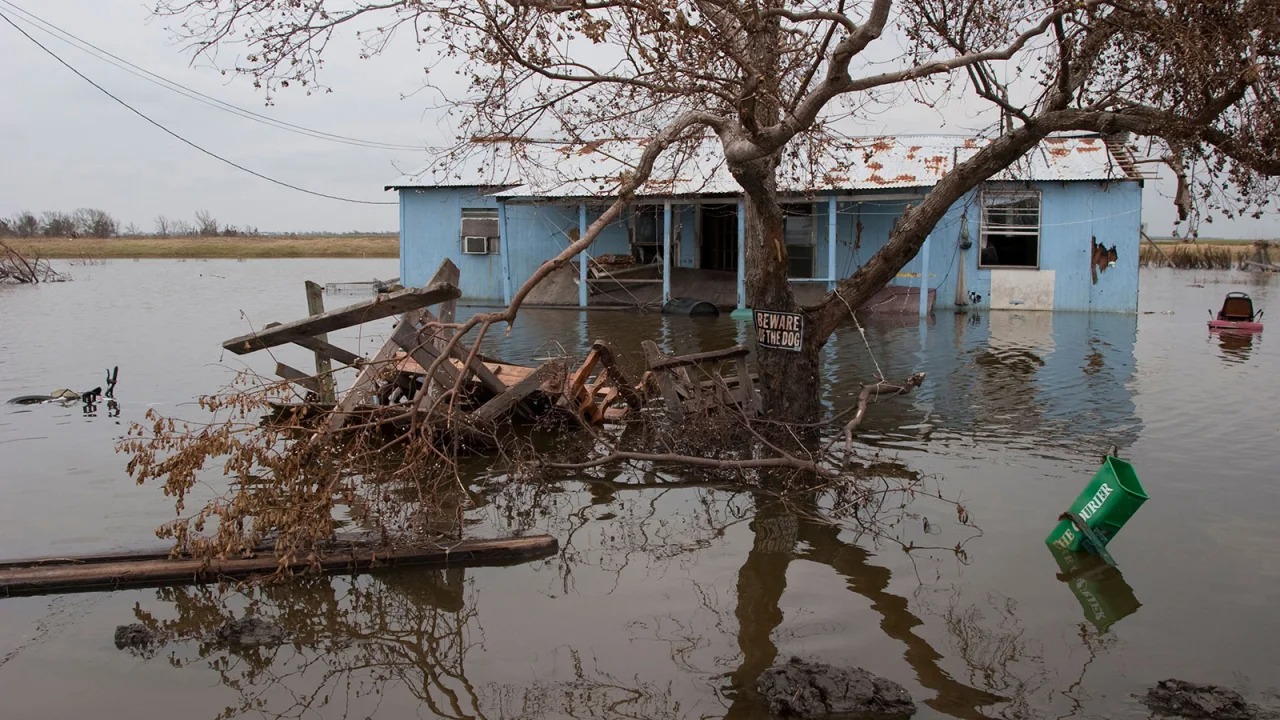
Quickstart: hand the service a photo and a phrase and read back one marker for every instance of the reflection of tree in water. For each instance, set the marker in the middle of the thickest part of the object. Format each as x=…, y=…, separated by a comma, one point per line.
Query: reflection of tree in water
x=355, y=645
x=352, y=641
x=1094, y=642
x=347, y=638
x=782, y=536
x=989, y=638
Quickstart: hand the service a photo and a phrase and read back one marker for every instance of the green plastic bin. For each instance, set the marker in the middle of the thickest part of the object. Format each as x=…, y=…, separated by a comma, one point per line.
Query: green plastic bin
x=1101, y=590
x=1108, y=501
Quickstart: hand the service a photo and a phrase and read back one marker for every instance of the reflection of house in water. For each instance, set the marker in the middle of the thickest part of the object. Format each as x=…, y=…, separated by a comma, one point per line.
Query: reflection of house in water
x=1032, y=378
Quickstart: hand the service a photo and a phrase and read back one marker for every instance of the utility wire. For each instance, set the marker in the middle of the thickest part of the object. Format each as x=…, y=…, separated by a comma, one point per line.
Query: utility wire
x=167, y=131
x=174, y=86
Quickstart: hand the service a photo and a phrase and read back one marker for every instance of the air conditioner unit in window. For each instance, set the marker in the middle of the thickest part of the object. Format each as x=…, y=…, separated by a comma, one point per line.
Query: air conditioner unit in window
x=475, y=245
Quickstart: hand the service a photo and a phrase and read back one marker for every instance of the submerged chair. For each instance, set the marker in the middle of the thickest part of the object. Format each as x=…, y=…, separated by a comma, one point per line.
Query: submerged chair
x=1238, y=307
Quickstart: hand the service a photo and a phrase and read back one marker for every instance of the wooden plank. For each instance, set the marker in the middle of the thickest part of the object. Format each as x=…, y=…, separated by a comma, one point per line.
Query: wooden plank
x=503, y=373
x=297, y=377
x=448, y=273
x=667, y=386
x=478, y=368
x=736, y=351
x=610, y=361
x=324, y=368
x=332, y=352
x=507, y=401
x=149, y=571
x=752, y=400
x=383, y=306
x=359, y=391
x=422, y=351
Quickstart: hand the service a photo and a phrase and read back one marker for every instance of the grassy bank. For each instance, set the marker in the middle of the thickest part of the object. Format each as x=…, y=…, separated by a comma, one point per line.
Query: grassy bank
x=262, y=246
x=1204, y=255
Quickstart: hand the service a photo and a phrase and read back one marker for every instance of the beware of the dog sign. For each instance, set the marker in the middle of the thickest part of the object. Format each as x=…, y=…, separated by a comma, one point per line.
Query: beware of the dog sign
x=779, y=330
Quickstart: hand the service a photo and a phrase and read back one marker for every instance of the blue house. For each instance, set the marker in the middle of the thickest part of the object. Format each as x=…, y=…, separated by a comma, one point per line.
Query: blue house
x=1058, y=231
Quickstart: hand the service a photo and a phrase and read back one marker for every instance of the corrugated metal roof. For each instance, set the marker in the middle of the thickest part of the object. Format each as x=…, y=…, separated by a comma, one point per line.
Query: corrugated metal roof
x=595, y=169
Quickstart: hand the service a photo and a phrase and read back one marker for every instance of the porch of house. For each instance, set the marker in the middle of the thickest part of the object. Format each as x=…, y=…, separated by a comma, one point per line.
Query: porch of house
x=717, y=287
x=694, y=249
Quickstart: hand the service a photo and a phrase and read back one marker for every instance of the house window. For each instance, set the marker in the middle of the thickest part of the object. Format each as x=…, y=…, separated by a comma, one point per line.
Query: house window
x=1010, y=229
x=646, y=234
x=798, y=232
x=479, y=231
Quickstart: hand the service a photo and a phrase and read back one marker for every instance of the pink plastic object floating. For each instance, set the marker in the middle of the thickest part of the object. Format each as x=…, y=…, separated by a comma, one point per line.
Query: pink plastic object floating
x=1237, y=314
x=1240, y=326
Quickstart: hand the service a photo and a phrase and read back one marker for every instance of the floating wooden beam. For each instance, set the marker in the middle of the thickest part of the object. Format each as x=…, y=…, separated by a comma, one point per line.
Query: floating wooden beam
x=56, y=575
x=654, y=356
x=297, y=377
x=332, y=352
x=373, y=309
x=668, y=363
x=424, y=352
x=500, y=405
x=359, y=391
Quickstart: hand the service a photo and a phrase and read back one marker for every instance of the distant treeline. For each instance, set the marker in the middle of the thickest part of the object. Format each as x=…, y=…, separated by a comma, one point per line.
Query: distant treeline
x=94, y=223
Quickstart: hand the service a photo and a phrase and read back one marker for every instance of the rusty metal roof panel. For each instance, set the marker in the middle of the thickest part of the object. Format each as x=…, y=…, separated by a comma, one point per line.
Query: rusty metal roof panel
x=596, y=169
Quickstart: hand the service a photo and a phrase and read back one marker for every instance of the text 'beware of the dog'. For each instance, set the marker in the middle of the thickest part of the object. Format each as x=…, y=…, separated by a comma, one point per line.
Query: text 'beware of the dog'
x=779, y=330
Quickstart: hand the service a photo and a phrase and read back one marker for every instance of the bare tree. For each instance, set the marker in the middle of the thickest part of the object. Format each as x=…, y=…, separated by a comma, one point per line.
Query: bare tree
x=771, y=79
x=91, y=222
x=164, y=226
x=26, y=224
x=58, y=224
x=206, y=224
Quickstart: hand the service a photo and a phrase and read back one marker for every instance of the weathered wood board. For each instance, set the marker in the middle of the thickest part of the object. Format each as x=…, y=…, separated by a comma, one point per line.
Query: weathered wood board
x=56, y=575
x=374, y=309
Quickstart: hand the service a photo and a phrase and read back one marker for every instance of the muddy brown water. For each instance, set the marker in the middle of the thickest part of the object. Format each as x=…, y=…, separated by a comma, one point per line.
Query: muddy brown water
x=666, y=601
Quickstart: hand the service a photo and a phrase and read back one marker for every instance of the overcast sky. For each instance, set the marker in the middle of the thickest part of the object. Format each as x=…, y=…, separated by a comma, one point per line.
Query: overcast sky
x=65, y=145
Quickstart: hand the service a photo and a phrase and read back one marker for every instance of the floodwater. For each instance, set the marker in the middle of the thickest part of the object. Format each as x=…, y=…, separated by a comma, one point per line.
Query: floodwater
x=667, y=602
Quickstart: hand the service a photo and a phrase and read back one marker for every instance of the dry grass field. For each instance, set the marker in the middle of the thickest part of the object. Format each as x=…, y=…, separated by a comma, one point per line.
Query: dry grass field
x=260, y=246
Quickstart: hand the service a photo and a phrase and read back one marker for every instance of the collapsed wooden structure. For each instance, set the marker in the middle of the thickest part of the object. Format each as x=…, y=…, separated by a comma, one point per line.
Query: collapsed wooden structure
x=421, y=363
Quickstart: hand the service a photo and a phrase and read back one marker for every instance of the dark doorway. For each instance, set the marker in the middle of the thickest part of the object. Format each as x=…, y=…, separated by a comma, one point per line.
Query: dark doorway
x=718, y=236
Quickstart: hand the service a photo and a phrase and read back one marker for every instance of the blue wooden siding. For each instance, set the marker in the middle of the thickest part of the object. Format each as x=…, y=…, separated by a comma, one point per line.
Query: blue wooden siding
x=1072, y=215
x=431, y=230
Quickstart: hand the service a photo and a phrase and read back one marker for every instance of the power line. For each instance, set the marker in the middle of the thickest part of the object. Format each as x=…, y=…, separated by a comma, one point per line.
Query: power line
x=173, y=86
x=167, y=131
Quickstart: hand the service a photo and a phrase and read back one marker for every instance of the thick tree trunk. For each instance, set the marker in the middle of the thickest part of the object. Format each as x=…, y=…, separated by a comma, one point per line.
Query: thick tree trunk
x=788, y=380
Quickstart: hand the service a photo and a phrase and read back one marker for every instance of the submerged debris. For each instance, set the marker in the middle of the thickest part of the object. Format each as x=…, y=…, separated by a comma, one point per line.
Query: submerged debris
x=816, y=690
x=135, y=636
x=249, y=632
x=1189, y=700
x=16, y=268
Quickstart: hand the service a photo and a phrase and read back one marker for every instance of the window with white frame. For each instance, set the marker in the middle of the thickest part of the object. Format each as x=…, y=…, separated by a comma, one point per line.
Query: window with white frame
x=480, y=231
x=798, y=233
x=1010, y=229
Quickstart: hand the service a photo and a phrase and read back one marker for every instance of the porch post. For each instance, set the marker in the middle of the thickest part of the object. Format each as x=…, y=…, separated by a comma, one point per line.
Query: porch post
x=582, y=257
x=924, y=275
x=666, y=251
x=742, y=254
x=831, y=243
x=504, y=249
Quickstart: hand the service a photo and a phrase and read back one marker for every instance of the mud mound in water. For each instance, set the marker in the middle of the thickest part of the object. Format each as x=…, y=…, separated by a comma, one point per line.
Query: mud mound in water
x=1184, y=699
x=814, y=690
x=249, y=632
x=135, y=636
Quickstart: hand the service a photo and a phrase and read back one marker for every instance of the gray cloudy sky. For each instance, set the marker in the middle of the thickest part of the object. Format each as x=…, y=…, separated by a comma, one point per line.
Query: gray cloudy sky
x=65, y=145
